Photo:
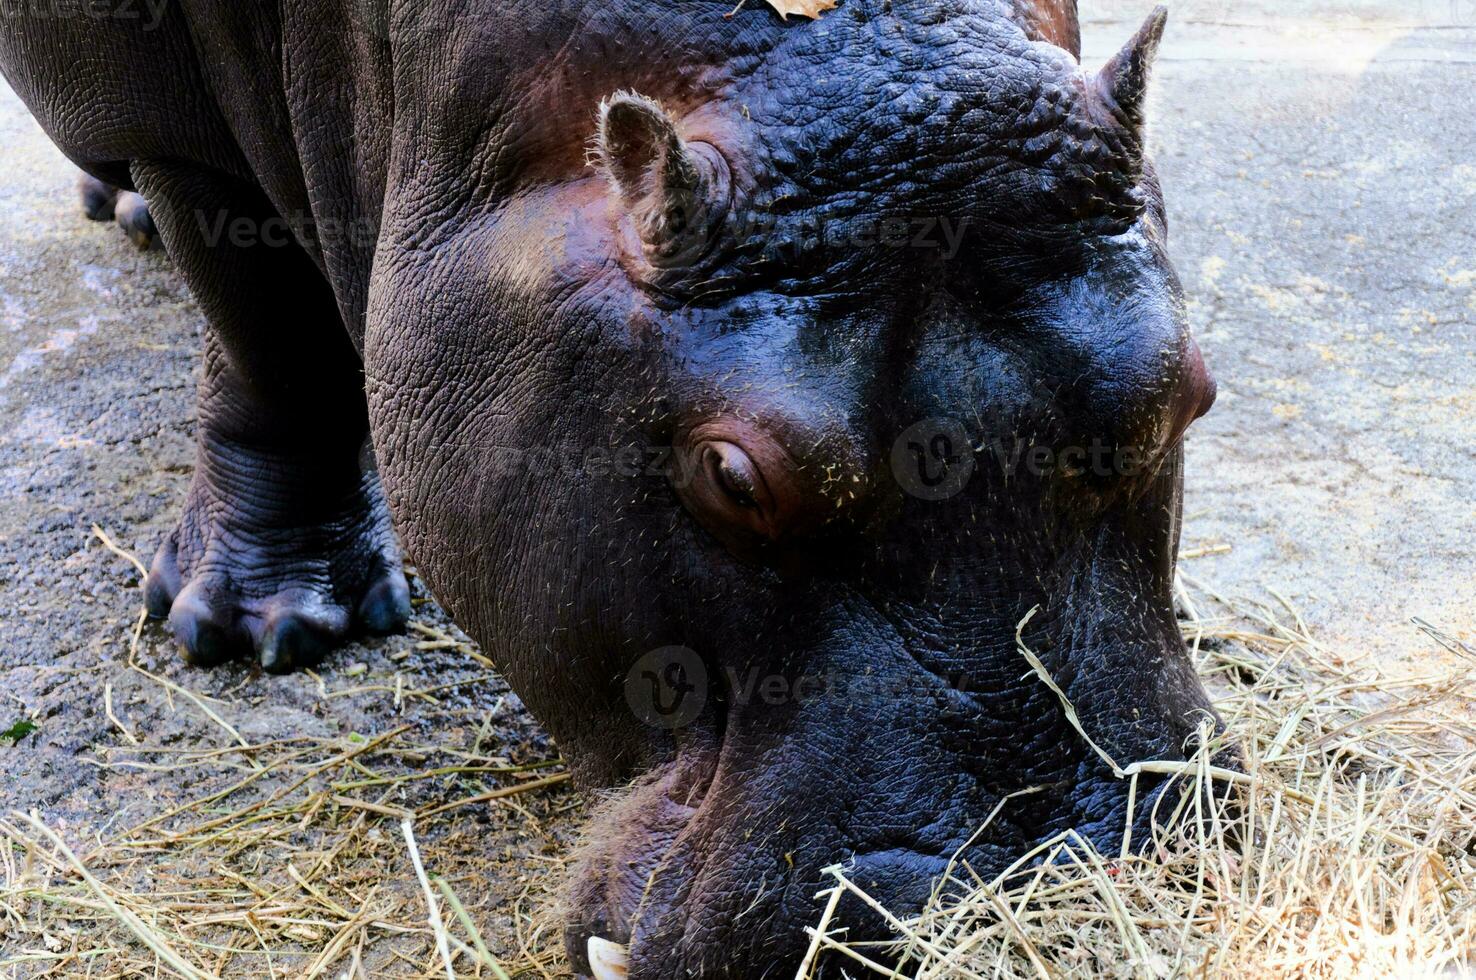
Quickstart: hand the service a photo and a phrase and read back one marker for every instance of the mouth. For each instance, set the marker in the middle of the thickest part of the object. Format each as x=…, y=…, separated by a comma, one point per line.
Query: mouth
x=710, y=862
x=630, y=840
x=719, y=851
x=761, y=935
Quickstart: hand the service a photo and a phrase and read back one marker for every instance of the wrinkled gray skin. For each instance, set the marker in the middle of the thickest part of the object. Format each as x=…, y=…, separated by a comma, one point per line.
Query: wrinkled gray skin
x=522, y=268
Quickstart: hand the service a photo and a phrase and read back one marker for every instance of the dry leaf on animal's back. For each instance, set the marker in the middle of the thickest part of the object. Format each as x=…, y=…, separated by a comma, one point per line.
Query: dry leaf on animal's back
x=805, y=8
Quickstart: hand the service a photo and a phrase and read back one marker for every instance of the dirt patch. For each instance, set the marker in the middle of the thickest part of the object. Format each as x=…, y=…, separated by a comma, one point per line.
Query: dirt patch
x=236, y=824
x=187, y=792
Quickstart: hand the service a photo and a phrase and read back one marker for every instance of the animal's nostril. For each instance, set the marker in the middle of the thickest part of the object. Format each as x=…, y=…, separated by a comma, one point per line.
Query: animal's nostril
x=1197, y=393
x=1207, y=397
x=1201, y=384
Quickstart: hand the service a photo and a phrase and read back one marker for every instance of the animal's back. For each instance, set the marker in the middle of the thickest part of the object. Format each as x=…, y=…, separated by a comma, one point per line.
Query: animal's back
x=292, y=99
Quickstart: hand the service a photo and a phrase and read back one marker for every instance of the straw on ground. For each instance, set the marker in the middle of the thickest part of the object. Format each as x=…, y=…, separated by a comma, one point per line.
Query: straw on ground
x=1347, y=850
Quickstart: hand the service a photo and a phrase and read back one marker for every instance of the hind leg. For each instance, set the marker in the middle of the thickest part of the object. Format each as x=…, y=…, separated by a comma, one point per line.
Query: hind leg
x=102, y=201
x=98, y=197
x=285, y=547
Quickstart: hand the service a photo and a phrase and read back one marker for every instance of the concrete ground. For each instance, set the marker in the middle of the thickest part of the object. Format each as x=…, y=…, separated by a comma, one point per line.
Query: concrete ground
x=1320, y=166
x=1321, y=185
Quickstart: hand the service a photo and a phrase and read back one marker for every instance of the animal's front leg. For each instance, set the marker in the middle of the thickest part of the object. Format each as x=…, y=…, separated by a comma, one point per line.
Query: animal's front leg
x=285, y=545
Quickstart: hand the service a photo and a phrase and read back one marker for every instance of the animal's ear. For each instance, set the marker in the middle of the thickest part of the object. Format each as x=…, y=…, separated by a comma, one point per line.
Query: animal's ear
x=641, y=150
x=1123, y=80
x=674, y=190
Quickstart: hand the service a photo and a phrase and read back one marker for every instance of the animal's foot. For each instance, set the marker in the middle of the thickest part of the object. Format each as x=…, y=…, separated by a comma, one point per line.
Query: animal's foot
x=268, y=558
x=97, y=198
x=104, y=202
x=132, y=212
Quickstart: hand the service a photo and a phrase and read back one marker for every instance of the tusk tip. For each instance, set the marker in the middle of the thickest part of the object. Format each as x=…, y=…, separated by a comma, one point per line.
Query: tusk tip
x=607, y=960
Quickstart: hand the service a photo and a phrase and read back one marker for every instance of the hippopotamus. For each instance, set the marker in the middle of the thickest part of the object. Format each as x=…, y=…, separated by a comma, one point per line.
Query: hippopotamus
x=756, y=390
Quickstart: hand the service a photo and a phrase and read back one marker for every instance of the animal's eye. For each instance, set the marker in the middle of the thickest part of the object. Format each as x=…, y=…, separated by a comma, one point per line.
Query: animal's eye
x=729, y=494
x=740, y=483
x=731, y=469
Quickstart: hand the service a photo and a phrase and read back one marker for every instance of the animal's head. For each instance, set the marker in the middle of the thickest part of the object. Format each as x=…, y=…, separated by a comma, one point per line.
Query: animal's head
x=746, y=419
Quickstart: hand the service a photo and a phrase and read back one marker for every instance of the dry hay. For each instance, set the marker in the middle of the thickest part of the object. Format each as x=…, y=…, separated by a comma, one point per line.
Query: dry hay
x=347, y=857
x=131, y=907
x=1350, y=849
x=303, y=856
x=321, y=875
